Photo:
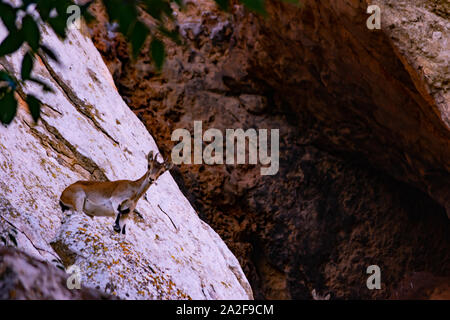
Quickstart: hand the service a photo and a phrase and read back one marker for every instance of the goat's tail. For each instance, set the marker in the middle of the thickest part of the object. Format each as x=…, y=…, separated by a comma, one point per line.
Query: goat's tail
x=63, y=206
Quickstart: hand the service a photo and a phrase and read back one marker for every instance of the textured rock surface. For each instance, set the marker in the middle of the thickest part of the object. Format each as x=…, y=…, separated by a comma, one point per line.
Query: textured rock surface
x=88, y=132
x=423, y=285
x=364, y=88
x=24, y=277
x=354, y=107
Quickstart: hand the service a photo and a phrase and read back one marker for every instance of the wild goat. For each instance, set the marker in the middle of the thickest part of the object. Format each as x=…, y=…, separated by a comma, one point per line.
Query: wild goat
x=111, y=198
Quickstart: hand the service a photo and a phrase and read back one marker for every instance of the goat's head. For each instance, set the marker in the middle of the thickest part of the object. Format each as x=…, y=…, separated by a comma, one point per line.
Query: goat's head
x=156, y=168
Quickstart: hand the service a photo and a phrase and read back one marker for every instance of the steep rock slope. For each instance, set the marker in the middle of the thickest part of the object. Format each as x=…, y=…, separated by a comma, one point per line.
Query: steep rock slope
x=24, y=277
x=88, y=132
x=354, y=108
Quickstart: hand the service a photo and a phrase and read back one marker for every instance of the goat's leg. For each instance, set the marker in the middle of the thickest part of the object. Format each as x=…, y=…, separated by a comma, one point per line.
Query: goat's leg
x=122, y=213
x=63, y=206
x=116, y=226
x=125, y=206
x=123, y=219
x=80, y=200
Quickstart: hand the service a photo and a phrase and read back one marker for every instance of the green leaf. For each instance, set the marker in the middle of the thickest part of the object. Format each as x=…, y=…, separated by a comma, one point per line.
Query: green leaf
x=11, y=43
x=123, y=12
x=31, y=32
x=112, y=9
x=8, y=107
x=61, y=7
x=50, y=53
x=223, y=4
x=154, y=8
x=35, y=107
x=5, y=76
x=158, y=52
x=88, y=17
x=26, y=3
x=27, y=66
x=8, y=16
x=257, y=6
x=58, y=25
x=167, y=9
x=173, y=35
x=44, y=7
x=127, y=19
x=140, y=33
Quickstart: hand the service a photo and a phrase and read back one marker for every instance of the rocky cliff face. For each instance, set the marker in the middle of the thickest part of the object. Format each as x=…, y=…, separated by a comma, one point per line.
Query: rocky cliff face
x=364, y=137
x=87, y=132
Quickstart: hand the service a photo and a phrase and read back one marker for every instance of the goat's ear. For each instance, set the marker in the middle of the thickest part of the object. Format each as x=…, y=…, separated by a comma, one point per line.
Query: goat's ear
x=150, y=156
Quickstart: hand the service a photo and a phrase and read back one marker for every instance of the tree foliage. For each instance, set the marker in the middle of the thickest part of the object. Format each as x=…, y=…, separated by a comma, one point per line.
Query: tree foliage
x=22, y=23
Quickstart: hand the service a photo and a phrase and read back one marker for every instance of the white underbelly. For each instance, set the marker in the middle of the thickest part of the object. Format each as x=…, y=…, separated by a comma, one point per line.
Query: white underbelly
x=104, y=209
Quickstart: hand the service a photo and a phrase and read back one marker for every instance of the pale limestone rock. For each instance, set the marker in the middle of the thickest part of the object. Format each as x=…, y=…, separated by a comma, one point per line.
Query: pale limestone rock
x=421, y=34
